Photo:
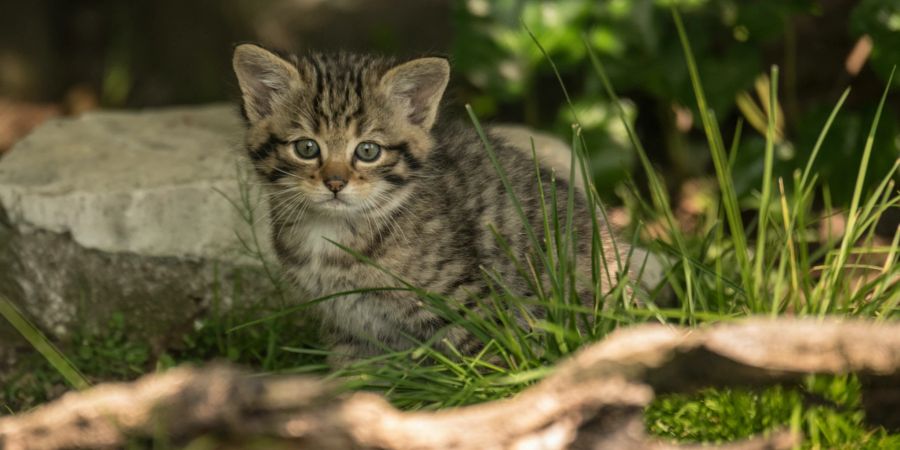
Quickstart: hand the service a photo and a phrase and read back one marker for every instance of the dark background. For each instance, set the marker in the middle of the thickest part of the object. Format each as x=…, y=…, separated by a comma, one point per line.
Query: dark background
x=66, y=57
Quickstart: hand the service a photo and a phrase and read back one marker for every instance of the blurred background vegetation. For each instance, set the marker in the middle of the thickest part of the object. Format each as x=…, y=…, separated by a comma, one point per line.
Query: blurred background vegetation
x=65, y=57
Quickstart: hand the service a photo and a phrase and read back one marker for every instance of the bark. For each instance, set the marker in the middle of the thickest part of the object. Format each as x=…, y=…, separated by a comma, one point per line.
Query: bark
x=594, y=400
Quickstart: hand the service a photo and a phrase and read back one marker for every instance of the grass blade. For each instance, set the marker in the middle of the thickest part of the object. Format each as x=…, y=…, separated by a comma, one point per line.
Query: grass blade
x=815, y=152
x=837, y=267
x=43, y=345
x=720, y=161
x=759, y=276
x=658, y=193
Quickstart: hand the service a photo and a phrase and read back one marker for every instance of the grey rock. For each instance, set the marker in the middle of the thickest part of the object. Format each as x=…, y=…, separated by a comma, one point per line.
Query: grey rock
x=128, y=212
x=550, y=151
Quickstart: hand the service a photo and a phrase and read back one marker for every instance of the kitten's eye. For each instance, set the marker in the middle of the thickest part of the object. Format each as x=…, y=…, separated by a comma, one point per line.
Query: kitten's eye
x=306, y=148
x=368, y=151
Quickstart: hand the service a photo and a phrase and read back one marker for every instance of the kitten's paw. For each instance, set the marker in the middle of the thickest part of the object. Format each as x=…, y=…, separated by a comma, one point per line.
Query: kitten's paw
x=342, y=356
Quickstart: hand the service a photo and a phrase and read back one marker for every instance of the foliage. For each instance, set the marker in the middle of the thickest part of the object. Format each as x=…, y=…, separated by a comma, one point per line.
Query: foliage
x=112, y=354
x=826, y=409
x=639, y=46
x=880, y=19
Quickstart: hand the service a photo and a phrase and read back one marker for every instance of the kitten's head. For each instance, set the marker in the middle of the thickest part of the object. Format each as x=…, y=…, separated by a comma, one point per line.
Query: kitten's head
x=339, y=134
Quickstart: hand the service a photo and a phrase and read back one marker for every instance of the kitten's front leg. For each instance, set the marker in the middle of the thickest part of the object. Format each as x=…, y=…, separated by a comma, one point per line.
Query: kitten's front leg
x=342, y=356
x=345, y=350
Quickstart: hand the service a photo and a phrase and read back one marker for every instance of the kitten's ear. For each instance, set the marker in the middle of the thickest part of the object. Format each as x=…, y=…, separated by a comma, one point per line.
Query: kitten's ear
x=262, y=76
x=418, y=85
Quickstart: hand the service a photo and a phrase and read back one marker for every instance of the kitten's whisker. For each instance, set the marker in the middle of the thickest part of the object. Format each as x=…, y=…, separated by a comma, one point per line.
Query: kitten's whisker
x=368, y=203
x=279, y=204
x=294, y=216
x=284, y=192
x=292, y=175
x=387, y=217
x=295, y=205
x=265, y=184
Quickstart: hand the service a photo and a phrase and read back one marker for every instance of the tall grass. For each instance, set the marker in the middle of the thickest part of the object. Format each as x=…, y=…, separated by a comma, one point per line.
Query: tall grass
x=714, y=277
x=723, y=274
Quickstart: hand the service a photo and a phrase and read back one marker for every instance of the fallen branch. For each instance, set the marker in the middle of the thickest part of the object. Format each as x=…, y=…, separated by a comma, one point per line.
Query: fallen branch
x=594, y=400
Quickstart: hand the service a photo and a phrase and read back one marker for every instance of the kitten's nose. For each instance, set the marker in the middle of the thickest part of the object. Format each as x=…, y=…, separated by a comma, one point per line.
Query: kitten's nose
x=335, y=184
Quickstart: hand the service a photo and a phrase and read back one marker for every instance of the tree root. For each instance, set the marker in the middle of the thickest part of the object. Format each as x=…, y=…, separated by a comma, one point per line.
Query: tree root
x=594, y=400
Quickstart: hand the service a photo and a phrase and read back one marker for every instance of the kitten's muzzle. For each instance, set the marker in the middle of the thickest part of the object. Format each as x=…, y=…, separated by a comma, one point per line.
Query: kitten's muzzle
x=335, y=183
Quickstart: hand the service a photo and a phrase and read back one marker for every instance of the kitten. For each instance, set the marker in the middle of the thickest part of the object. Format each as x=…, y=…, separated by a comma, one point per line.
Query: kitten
x=353, y=152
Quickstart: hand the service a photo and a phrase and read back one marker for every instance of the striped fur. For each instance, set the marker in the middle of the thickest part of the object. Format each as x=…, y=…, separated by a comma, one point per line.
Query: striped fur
x=423, y=211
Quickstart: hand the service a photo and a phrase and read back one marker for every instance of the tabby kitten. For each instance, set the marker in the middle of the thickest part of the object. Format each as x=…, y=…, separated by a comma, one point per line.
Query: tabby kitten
x=353, y=152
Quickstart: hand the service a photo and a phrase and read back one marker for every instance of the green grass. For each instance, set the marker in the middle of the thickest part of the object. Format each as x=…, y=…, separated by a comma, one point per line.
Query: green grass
x=112, y=354
x=825, y=409
x=725, y=268
x=42, y=345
